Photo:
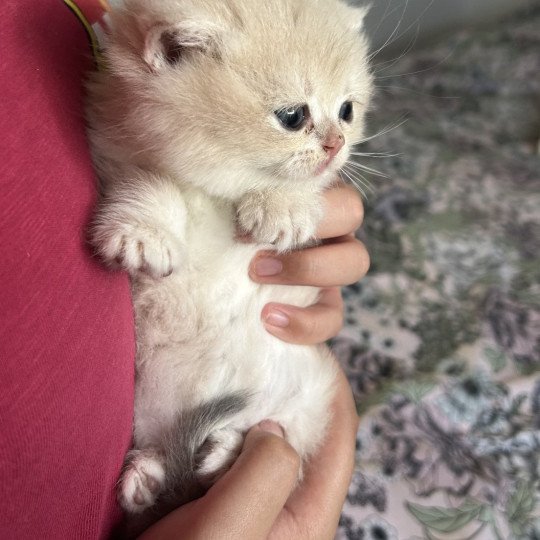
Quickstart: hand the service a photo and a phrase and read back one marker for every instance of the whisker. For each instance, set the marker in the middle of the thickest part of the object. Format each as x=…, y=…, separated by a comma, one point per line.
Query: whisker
x=353, y=182
x=364, y=182
x=437, y=64
x=349, y=165
x=417, y=20
x=385, y=15
x=349, y=180
x=394, y=61
x=374, y=154
x=417, y=92
x=389, y=38
x=367, y=169
x=354, y=176
x=384, y=131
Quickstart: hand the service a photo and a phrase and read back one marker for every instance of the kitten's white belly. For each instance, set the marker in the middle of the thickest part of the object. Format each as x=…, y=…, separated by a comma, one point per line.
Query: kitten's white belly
x=200, y=337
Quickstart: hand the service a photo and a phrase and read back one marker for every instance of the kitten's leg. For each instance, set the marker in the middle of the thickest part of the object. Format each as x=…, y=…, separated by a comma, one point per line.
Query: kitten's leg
x=142, y=480
x=217, y=454
x=287, y=218
x=140, y=226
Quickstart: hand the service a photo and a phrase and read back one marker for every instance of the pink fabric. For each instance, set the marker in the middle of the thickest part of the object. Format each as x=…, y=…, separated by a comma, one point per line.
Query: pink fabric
x=66, y=328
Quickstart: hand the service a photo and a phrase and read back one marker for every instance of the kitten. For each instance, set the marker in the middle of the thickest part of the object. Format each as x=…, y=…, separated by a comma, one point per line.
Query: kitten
x=213, y=115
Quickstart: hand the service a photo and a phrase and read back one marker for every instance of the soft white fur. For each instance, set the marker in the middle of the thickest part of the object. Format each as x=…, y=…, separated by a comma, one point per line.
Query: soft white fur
x=188, y=151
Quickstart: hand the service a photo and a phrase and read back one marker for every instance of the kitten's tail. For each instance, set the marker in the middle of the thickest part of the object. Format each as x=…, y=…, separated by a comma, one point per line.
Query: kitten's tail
x=182, y=446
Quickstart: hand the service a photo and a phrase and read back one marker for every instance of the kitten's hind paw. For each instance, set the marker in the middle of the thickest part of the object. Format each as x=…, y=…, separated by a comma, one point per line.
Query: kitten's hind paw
x=142, y=481
x=217, y=454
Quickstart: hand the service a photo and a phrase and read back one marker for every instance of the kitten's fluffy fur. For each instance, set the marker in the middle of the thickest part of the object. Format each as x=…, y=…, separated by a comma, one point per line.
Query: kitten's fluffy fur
x=188, y=147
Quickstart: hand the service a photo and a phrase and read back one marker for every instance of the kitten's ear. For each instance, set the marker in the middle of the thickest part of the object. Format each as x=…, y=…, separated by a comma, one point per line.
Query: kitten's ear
x=357, y=14
x=166, y=44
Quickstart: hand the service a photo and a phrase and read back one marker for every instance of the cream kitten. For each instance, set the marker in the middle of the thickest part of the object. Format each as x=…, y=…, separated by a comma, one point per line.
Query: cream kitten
x=213, y=114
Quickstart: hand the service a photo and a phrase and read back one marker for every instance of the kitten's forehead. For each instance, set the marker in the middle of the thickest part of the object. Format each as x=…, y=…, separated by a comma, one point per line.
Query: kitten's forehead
x=291, y=80
x=297, y=50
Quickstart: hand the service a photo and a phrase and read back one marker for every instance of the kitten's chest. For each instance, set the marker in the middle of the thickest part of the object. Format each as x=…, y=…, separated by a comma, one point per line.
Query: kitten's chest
x=212, y=293
x=212, y=238
x=217, y=262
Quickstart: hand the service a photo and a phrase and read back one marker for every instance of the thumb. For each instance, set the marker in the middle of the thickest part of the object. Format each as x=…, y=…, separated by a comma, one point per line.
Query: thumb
x=262, y=429
x=255, y=490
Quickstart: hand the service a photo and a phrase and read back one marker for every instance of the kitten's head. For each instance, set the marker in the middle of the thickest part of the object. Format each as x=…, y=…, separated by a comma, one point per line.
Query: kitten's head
x=233, y=95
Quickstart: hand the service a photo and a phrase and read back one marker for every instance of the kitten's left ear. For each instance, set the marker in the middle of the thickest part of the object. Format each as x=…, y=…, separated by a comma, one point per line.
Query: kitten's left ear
x=167, y=44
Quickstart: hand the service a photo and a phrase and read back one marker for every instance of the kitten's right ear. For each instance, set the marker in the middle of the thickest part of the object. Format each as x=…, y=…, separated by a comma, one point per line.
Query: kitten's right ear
x=166, y=44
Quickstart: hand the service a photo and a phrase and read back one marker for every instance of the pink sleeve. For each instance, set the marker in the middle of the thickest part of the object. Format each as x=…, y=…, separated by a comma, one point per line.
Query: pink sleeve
x=66, y=328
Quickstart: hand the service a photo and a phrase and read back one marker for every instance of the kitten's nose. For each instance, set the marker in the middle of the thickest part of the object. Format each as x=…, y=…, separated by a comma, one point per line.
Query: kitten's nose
x=333, y=143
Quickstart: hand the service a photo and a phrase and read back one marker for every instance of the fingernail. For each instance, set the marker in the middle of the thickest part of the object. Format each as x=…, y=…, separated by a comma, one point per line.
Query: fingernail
x=277, y=318
x=271, y=427
x=267, y=267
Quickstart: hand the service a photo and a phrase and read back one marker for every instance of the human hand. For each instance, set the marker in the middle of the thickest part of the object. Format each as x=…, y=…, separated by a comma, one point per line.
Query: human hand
x=339, y=260
x=258, y=497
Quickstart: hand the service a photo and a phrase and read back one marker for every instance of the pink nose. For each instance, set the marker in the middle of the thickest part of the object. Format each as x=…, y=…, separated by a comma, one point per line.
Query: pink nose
x=332, y=144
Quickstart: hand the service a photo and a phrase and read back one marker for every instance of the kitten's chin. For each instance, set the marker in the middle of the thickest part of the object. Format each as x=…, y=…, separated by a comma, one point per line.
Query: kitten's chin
x=329, y=166
x=325, y=176
x=323, y=167
x=320, y=174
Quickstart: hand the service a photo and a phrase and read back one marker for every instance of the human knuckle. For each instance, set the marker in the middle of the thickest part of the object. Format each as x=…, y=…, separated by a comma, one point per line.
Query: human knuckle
x=311, y=268
x=356, y=210
x=339, y=303
x=331, y=329
x=286, y=454
x=363, y=258
x=309, y=326
x=318, y=528
x=339, y=318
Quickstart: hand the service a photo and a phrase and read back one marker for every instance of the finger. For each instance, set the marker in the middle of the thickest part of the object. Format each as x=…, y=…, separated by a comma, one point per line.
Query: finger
x=253, y=493
x=331, y=265
x=344, y=212
x=246, y=501
x=315, y=506
x=306, y=326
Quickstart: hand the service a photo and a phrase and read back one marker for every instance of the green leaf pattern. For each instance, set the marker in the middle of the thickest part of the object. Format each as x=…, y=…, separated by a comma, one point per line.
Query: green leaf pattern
x=446, y=520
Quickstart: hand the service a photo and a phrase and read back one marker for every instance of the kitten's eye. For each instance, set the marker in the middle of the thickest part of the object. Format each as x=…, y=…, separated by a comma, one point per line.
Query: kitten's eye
x=346, y=111
x=293, y=117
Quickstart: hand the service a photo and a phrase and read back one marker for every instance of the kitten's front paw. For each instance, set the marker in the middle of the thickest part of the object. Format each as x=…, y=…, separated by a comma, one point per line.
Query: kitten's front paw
x=138, y=248
x=142, y=481
x=287, y=221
